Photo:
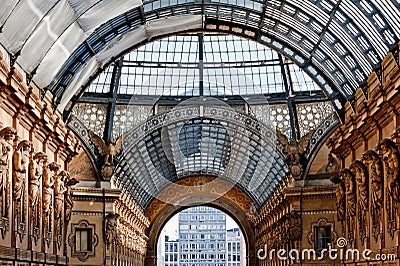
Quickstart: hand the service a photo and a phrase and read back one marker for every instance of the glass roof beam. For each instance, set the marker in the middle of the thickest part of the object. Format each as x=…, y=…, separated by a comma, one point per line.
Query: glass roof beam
x=243, y=64
x=264, y=8
x=294, y=124
x=310, y=42
x=378, y=19
x=343, y=25
x=201, y=62
x=112, y=100
x=274, y=98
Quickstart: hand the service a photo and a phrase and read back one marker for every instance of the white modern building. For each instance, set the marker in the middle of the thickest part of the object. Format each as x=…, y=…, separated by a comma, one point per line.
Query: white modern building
x=201, y=240
x=235, y=248
x=202, y=237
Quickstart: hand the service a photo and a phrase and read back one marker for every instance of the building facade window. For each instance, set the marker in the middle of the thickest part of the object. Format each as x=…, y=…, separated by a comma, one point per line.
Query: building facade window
x=323, y=237
x=83, y=239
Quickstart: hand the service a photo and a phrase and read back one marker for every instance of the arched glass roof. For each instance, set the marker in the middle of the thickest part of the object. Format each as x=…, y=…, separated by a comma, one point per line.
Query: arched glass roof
x=62, y=44
x=200, y=140
x=228, y=65
x=173, y=69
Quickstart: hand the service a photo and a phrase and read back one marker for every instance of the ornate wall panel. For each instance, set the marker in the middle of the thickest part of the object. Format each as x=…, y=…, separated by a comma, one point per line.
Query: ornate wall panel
x=368, y=145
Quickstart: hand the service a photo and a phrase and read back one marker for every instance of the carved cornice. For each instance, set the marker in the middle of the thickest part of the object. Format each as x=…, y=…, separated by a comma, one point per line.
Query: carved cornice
x=24, y=103
x=314, y=192
x=279, y=204
x=95, y=194
x=130, y=239
x=383, y=102
x=131, y=214
x=274, y=207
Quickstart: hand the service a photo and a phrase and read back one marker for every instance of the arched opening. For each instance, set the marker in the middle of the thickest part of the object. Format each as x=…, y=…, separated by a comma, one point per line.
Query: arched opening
x=201, y=235
x=229, y=203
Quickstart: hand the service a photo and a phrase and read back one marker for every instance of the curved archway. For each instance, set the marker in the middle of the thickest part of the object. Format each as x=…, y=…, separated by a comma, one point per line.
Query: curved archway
x=222, y=204
x=201, y=234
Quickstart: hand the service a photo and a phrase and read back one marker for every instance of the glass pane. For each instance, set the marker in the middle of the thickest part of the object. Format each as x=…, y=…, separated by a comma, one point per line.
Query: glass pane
x=323, y=237
x=77, y=240
x=84, y=240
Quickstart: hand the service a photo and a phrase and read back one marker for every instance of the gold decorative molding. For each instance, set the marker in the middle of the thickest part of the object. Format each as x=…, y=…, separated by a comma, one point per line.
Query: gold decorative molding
x=186, y=188
x=372, y=114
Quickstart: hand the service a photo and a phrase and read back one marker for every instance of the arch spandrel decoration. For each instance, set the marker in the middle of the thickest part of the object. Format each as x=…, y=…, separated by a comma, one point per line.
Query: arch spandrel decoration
x=337, y=42
x=196, y=186
x=147, y=156
x=222, y=203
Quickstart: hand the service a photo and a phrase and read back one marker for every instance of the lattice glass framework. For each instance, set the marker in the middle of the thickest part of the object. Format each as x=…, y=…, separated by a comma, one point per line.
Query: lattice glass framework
x=311, y=115
x=176, y=68
x=146, y=87
x=210, y=140
x=179, y=66
x=93, y=116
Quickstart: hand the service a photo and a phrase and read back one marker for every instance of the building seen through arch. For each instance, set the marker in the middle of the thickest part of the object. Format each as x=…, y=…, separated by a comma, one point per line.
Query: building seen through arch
x=117, y=115
x=201, y=235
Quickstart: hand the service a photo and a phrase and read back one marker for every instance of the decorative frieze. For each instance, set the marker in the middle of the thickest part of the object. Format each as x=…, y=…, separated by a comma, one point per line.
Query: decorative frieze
x=26, y=195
